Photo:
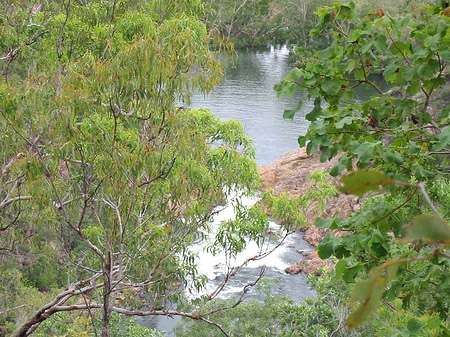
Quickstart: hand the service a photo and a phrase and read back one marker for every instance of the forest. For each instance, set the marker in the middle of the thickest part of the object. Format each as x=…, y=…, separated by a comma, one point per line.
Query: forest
x=108, y=178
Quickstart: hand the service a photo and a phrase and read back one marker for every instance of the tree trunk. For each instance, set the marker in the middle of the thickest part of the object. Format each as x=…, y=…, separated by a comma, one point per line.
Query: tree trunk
x=106, y=296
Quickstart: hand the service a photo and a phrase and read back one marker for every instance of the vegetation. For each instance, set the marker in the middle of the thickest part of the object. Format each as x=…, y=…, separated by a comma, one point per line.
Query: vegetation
x=106, y=182
x=399, y=132
x=278, y=315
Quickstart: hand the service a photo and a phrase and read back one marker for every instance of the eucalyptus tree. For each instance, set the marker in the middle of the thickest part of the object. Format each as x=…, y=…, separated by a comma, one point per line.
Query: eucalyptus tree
x=105, y=177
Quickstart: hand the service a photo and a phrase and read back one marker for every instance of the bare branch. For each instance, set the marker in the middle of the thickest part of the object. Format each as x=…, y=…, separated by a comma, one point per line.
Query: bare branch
x=5, y=203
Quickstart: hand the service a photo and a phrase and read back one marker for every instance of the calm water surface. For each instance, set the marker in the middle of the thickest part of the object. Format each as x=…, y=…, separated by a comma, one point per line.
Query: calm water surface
x=246, y=94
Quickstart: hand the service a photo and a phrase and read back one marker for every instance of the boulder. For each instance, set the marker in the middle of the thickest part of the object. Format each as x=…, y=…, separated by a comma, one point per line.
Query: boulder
x=311, y=265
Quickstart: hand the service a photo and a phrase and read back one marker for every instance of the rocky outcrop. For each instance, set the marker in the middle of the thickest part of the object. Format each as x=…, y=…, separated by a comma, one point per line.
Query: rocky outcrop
x=311, y=265
x=289, y=174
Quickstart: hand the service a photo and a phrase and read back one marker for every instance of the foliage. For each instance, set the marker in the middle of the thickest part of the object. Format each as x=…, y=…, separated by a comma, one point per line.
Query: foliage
x=402, y=132
x=431, y=229
x=62, y=324
x=279, y=316
x=105, y=179
x=260, y=22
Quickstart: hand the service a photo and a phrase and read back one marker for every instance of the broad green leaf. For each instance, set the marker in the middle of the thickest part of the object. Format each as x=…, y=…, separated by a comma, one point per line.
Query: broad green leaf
x=326, y=223
x=291, y=113
x=367, y=294
x=409, y=73
x=312, y=116
x=366, y=47
x=365, y=151
x=363, y=181
x=350, y=272
x=393, y=291
x=429, y=69
x=340, y=266
x=325, y=249
x=314, y=32
x=444, y=139
x=329, y=53
x=354, y=35
x=413, y=88
x=344, y=121
x=392, y=157
x=380, y=43
x=420, y=172
x=295, y=73
x=331, y=86
x=414, y=326
x=345, y=12
x=428, y=227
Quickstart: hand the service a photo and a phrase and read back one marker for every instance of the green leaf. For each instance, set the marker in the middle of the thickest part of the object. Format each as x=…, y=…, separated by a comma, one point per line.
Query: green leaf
x=365, y=151
x=380, y=43
x=344, y=121
x=325, y=249
x=331, y=86
x=368, y=293
x=392, y=157
x=350, y=272
x=314, y=32
x=409, y=73
x=339, y=167
x=394, y=291
x=363, y=181
x=366, y=47
x=354, y=35
x=414, y=326
x=345, y=12
x=328, y=53
x=340, y=266
x=291, y=113
x=444, y=139
x=420, y=172
x=428, y=227
x=312, y=116
x=327, y=223
x=413, y=88
x=429, y=69
x=296, y=73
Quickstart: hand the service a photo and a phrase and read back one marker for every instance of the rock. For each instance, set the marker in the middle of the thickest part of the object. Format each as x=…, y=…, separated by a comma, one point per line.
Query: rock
x=311, y=265
x=289, y=174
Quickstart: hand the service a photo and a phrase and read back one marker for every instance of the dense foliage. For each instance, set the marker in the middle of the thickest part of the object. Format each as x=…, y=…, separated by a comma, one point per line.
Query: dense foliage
x=278, y=315
x=105, y=180
x=403, y=132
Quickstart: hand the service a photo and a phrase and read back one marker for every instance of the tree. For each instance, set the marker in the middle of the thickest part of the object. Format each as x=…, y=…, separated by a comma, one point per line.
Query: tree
x=106, y=181
x=402, y=131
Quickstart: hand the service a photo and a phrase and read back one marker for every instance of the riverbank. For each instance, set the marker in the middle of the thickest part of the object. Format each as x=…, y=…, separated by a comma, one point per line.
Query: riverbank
x=289, y=174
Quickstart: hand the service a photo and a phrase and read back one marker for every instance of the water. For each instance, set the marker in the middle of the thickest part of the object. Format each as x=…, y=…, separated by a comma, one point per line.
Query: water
x=246, y=94
x=215, y=267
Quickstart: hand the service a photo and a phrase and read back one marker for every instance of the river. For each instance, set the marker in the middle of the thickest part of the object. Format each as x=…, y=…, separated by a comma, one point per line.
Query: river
x=246, y=94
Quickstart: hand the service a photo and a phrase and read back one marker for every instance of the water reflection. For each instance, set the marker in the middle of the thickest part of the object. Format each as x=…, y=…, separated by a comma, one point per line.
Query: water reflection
x=246, y=94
